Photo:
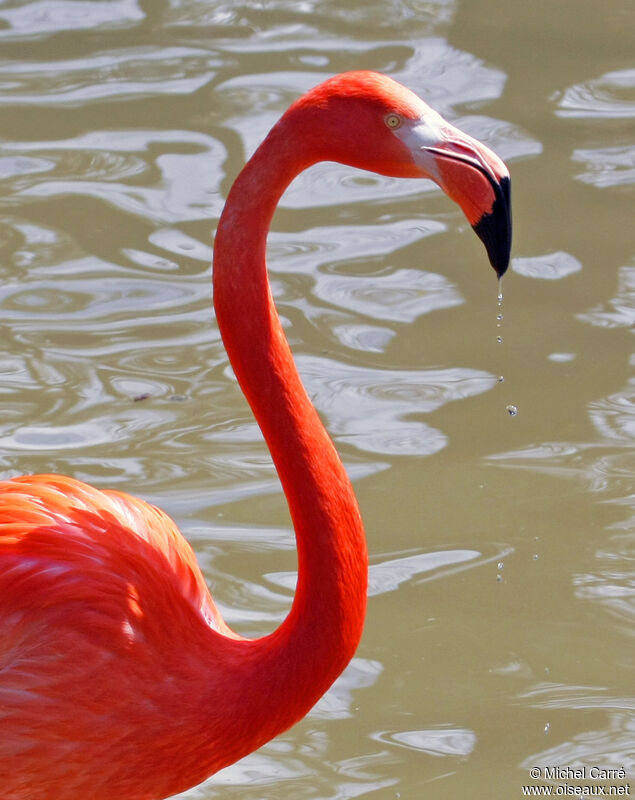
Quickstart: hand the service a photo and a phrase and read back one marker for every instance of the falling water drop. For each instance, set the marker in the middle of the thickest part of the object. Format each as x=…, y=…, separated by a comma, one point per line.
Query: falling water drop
x=511, y=410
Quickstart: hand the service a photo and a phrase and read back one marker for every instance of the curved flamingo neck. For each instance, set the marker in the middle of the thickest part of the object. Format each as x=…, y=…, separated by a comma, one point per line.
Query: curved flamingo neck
x=299, y=661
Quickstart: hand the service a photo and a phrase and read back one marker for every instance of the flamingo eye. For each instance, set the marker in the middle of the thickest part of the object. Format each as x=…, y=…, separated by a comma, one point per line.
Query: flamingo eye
x=393, y=121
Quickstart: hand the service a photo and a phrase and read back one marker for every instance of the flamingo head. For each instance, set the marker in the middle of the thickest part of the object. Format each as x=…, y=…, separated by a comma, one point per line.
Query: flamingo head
x=375, y=123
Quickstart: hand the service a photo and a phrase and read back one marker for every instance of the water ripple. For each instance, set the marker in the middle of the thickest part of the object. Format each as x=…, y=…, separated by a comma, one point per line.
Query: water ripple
x=34, y=19
x=607, y=166
x=401, y=296
x=14, y=166
x=107, y=304
x=390, y=574
x=611, y=746
x=611, y=588
x=96, y=431
x=327, y=248
x=598, y=466
x=607, y=97
x=619, y=311
x=313, y=16
x=372, y=409
x=112, y=167
x=448, y=78
x=435, y=741
x=330, y=185
x=551, y=266
x=127, y=73
x=614, y=416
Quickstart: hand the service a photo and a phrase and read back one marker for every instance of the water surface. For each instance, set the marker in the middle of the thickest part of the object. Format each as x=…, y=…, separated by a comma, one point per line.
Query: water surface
x=500, y=624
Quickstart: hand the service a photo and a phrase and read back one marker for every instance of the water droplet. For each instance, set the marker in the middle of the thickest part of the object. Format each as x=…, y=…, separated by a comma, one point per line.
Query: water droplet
x=535, y=556
x=500, y=565
x=561, y=357
x=547, y=727
x=499, y=317
x=499, y=339
x=500, y=379
x=512, y=410
x=499, y=578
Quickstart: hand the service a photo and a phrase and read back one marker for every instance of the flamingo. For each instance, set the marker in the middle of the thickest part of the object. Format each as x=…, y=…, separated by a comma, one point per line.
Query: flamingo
x=118, y=676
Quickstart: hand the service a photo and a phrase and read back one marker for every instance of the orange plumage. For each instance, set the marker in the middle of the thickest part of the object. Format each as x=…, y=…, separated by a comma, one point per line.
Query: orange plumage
x=118, y=677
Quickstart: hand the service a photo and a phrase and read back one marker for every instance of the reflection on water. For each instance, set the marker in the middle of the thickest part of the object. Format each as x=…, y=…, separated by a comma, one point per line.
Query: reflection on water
x=111, y=167
x=453, y=742
x=609, y=96
x=610, y=746
x=552, y=266
x=607, y=166
x=34, y=19
x=123, y=126
x=620, y=310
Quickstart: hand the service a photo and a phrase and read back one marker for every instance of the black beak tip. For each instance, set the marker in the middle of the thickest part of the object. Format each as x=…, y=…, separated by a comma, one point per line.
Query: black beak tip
x=495, y=229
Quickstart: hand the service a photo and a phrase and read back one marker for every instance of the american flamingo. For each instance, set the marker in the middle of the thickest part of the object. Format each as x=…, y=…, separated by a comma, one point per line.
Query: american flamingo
x=118, y=676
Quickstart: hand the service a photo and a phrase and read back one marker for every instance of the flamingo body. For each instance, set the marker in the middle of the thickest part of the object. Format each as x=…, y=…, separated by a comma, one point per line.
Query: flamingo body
x=118, y=676
x=88, y=665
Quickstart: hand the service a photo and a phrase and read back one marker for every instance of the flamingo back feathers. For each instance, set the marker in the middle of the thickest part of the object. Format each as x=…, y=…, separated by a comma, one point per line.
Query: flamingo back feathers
x=99, y=528
x=103, y=612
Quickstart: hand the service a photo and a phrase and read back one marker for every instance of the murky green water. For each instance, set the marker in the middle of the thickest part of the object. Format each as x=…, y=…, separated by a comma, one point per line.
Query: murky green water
x=500, y=626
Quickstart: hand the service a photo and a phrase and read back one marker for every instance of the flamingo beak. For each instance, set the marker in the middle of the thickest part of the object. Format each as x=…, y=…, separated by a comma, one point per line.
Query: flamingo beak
x=476, y=178
x=469, y=173
x=494, y=228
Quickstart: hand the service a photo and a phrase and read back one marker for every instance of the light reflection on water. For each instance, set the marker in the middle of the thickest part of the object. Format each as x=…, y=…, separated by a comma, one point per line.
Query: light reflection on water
x=123, y=124
x=609, y=96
